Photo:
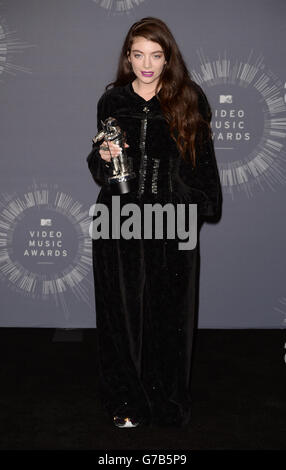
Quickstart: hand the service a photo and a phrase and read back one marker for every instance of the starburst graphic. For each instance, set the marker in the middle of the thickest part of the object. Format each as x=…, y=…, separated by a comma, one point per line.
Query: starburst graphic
x=45, y=247
x=249, y=122
x=118, y=6
x=10, y=45
x=282, y=310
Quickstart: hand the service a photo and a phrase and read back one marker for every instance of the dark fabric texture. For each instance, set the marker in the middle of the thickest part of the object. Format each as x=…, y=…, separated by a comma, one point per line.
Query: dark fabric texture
x=146, y=289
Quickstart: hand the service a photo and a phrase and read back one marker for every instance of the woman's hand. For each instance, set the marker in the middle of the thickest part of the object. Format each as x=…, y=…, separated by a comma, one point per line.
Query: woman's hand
x=113, y=149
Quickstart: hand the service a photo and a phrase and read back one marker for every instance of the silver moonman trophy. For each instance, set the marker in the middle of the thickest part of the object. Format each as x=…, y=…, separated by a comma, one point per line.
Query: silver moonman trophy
x=122, y=179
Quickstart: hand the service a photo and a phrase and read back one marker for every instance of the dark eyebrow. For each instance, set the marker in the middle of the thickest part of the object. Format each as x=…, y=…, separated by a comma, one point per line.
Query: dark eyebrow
x=137, y=50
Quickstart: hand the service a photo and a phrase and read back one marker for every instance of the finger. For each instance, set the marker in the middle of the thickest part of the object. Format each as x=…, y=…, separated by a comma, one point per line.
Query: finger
x=106, y=157
x=112, y=151
x=114, y=148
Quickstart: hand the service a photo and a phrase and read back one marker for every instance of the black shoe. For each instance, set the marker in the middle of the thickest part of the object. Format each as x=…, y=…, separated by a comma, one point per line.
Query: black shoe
x=122, y=422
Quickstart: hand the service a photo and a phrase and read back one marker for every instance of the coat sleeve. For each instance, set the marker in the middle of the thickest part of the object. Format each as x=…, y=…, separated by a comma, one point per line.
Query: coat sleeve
x=203, y=181
x=99, y=168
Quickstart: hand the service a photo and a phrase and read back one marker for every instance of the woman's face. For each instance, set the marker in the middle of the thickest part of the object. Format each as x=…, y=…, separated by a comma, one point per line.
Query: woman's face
x=146, y=56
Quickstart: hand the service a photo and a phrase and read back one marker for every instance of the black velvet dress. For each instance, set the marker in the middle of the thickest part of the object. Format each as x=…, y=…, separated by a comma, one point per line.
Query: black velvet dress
x=146, y=289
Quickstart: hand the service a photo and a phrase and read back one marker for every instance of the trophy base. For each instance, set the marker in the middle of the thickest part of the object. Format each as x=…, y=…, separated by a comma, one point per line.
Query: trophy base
x=122, y=187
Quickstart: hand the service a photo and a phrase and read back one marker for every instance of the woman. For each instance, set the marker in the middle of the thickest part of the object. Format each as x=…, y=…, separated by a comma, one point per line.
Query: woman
x=146, y=289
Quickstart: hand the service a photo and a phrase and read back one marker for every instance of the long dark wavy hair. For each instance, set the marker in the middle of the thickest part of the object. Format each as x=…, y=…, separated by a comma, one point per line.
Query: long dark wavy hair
x=179, y=93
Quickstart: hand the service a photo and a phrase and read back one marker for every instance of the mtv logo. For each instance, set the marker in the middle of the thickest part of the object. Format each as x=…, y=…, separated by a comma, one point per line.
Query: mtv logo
x=46, y=222
x=225, y=98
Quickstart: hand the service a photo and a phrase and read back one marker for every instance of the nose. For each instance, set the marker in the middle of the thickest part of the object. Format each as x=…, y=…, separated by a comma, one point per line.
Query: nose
x=146, y=62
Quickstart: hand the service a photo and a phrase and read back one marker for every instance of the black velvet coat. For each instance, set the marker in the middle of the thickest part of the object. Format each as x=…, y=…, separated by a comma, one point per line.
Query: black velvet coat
x=146, y=289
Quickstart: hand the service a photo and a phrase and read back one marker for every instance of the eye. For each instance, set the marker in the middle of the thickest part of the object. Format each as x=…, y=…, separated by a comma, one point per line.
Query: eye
x=137, y=55
x=158, y=56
